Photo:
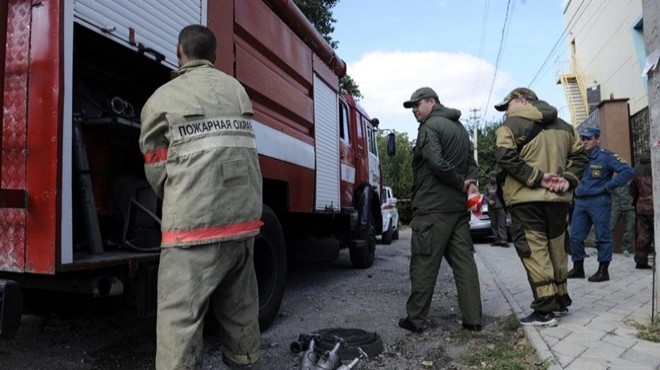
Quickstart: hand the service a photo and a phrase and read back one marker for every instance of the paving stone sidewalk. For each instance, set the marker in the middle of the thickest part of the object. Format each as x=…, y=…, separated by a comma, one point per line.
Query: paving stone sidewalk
x=596, y=333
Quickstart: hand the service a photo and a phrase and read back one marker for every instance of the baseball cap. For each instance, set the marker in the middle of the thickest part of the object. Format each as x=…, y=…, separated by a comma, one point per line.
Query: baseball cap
x=517, y=93
x=419, y=94
x=590, y=132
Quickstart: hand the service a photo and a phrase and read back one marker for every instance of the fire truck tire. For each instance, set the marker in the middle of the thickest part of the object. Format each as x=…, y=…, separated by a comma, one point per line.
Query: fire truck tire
x=387, y=235
x=363, y=257
x=270, y=263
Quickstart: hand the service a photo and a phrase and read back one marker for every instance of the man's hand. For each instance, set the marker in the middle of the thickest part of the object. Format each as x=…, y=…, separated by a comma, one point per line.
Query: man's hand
x=554, y=183
x=560, y=185
x=470, y=187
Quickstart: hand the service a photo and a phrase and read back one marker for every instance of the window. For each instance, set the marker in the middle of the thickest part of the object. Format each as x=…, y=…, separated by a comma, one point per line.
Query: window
x=344, y=132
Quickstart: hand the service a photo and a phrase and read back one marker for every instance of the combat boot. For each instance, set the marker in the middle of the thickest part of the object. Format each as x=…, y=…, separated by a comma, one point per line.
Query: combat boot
x=601, y=274
x=577, y=272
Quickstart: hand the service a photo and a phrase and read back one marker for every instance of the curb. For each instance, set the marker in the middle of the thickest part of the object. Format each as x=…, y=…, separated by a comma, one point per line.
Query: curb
x=531, y=333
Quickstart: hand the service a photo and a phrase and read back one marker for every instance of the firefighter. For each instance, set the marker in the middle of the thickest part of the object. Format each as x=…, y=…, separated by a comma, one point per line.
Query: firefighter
x=593, y=204
x=201, y=159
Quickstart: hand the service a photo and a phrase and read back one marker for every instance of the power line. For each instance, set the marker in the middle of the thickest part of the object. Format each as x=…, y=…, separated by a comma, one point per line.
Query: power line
x=559, y=40
x=484, y=21
x=499, y=53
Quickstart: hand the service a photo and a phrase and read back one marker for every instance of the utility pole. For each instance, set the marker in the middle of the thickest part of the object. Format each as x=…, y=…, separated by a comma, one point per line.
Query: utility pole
x=651, y=11
x=475, y=125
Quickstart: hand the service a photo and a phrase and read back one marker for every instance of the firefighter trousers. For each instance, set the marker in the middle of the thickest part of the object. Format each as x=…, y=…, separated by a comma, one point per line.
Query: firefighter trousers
x=188, y=278
x=436, y=236
x=538, y=230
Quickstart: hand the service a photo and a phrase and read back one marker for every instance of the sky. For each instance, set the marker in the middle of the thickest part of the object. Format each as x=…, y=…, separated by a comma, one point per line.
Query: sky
x=393, y=47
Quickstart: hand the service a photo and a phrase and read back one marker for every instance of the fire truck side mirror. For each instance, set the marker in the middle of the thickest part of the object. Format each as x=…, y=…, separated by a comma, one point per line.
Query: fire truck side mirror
x=391, y=144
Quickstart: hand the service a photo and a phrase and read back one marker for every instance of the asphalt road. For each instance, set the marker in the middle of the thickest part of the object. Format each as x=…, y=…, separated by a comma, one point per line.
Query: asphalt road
x=87, y=334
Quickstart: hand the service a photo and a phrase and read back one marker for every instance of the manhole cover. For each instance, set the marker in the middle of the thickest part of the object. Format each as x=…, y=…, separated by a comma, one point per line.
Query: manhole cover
x=370, y=343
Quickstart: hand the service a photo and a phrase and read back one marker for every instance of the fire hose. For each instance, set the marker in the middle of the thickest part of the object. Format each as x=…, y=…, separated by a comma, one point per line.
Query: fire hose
x=328, y=360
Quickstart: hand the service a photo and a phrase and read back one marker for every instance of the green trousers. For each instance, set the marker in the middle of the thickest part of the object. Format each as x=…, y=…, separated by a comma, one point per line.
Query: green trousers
x=188, y=278
x=538, y=230
x=436, y=236
x=628, y=216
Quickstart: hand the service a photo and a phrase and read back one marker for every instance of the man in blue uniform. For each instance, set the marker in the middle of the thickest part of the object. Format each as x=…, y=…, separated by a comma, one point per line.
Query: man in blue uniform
x=593, y=204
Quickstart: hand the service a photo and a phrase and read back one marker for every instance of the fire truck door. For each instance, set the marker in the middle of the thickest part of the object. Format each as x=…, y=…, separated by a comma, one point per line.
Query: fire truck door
x=326, y=131
x=374, y=164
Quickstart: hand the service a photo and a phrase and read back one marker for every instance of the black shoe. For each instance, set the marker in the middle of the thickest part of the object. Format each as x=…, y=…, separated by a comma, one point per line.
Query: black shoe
x=643, y=266
x=496, y=244
x=602, y=274
x=577, y=272
x=472, y=327
x=538, y=318
x=406, y=324
x=504, y=245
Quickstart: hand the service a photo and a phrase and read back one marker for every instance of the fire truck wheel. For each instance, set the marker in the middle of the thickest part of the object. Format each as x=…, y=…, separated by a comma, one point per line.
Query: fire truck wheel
x=387, y=235
x=363, y=257
x=270, y=263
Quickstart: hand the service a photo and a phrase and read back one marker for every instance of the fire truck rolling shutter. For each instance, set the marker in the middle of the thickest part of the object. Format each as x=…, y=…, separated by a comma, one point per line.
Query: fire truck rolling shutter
x=156, y=23
x=326, y=130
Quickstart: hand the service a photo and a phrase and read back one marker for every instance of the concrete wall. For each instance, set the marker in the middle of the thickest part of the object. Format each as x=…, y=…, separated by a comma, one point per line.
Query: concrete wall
x=609, y=51
x=652, y=39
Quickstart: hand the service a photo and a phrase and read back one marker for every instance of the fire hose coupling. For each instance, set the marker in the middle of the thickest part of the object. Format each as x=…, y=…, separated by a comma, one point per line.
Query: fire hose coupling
x=121, y=107
x=328, y=360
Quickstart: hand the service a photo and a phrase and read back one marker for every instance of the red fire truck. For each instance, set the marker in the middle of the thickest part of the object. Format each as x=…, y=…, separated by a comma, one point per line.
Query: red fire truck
x=76, y=214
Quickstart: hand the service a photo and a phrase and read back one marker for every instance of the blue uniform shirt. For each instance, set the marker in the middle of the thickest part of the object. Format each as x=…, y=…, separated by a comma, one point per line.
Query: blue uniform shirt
x=598, y=176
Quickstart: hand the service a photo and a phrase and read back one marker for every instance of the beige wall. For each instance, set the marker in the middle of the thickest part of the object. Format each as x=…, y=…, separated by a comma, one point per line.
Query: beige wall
x=603, y=34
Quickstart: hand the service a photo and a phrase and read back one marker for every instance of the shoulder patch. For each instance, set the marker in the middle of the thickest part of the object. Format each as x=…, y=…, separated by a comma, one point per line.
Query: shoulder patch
x=619, y=158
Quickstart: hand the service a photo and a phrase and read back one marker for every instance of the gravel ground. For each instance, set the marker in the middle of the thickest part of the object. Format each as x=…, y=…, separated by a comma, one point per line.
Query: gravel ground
x=107, y=335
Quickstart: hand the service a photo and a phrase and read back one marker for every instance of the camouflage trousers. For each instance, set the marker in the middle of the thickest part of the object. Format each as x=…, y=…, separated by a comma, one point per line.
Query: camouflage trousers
x=628, y=217
x=188, y=278
x=538, y=230
x=436, y=236
x=645, y=237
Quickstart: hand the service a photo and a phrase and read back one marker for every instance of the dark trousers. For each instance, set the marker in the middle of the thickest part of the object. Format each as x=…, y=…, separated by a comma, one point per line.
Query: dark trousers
x=498, y=224
x=436, y=236
x=645, y=237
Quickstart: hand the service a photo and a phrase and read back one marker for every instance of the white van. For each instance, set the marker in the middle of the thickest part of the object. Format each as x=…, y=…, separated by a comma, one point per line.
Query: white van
x=390, y=216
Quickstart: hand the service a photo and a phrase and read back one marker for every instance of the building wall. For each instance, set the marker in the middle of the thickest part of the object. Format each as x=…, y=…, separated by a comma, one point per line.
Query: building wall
x=608, y=49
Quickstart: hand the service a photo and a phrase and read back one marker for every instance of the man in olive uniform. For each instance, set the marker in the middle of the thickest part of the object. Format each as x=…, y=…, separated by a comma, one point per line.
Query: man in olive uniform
x=543, y=159
x=201, y=159
x=623, y=209
x=496, y=211
x=444, y=172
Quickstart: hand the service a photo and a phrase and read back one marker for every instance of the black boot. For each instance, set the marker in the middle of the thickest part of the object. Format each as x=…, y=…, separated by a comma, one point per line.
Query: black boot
x=601, y=274
x=577, y=272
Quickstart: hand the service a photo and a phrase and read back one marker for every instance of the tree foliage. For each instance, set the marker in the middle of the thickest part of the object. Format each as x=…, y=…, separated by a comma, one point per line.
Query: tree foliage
x=397, y=169
x=486, y=150
x=319, y=14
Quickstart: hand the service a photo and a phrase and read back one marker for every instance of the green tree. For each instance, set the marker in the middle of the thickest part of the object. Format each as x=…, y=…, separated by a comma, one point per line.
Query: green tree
x=319, y=14
x=486, y=151
x=397, y=170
